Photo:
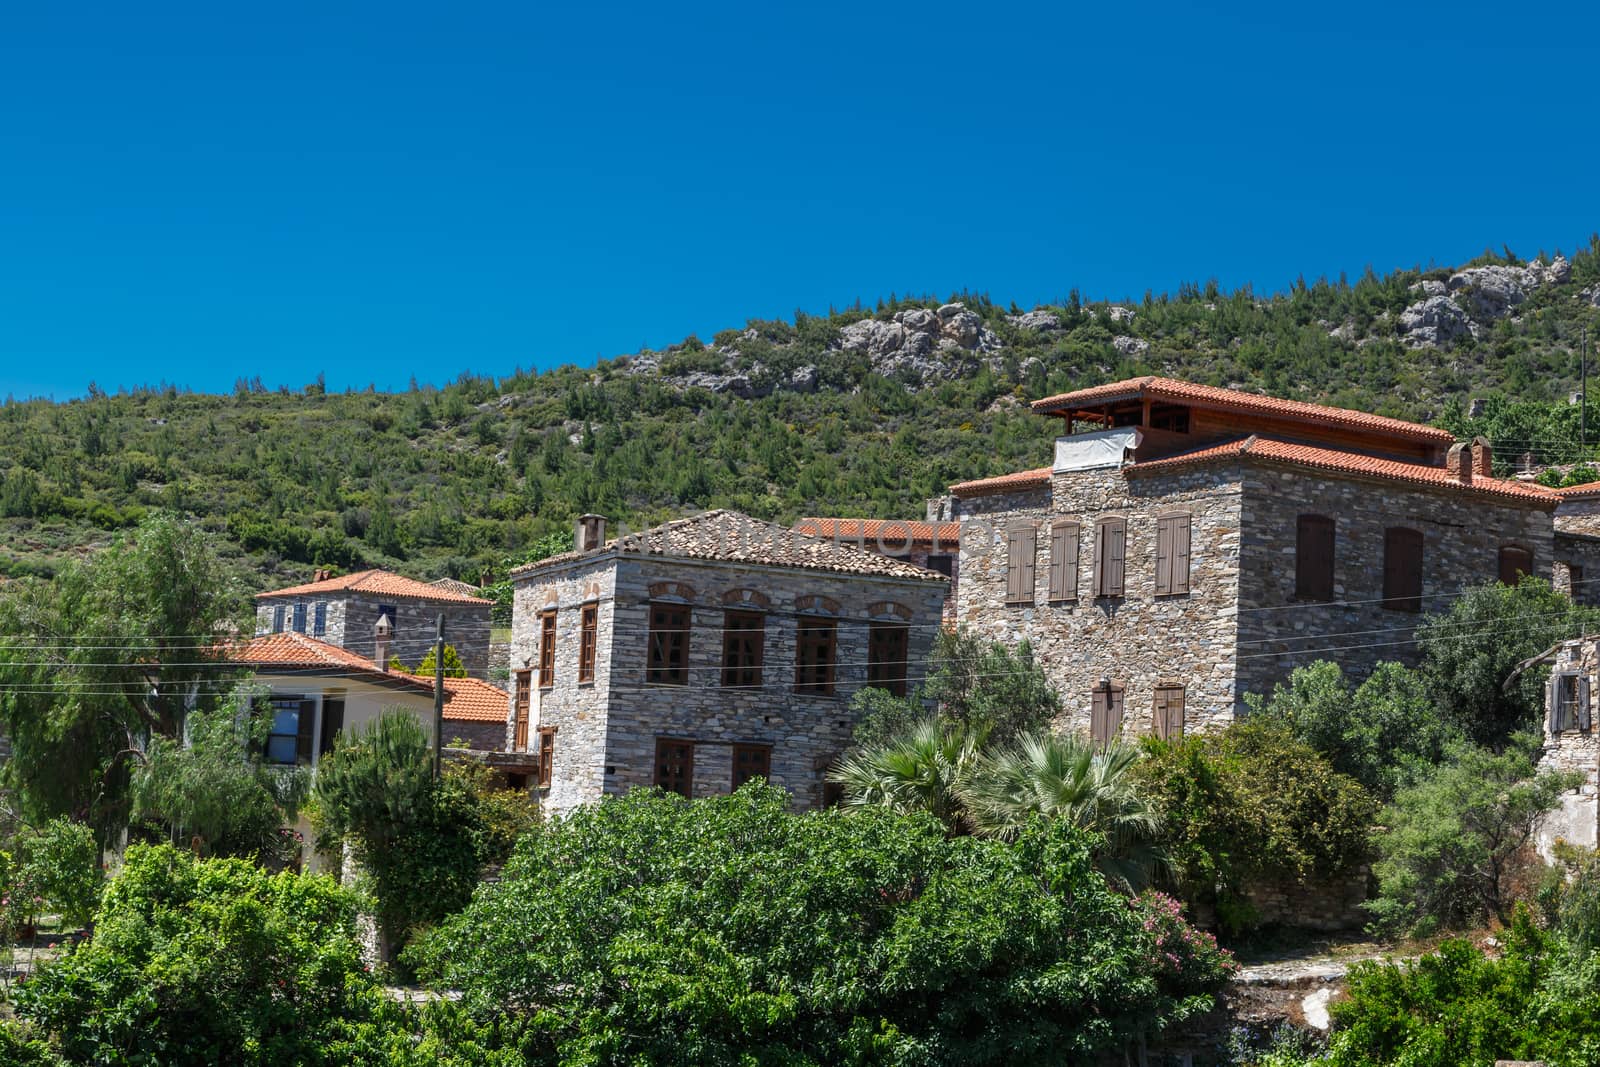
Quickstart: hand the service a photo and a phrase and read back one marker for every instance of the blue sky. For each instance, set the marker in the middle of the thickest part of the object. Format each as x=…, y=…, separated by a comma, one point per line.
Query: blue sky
x=380, y=191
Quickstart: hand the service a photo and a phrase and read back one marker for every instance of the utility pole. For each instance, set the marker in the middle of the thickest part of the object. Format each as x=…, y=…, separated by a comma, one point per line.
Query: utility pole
x=1583, y=412
x=438, y=698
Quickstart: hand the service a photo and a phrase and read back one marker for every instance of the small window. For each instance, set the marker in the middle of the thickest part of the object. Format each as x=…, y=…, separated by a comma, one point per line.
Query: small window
x=1172, y=555
x=743, y=635
x=1516, y=563
x=289, y=738
x=832, y=794
x=588, y=637
x=1021, y=543
x=1166, y=720
x=547, y=649
x=394, y=616
x=675, y=766
x=319, y=619
x=1575, y=587
x=945, y=565
x=547, y=755
x=814, y=656
x=523, y=700
x=1568, y=699
x=1313, y=558
x=886, y=656
x=669, y=645
x=1110, y=546
x=1063, y=561
x=300, y=617
x=277, y=619
x=1105, y=714
x=1402, y=569
x=751, y=761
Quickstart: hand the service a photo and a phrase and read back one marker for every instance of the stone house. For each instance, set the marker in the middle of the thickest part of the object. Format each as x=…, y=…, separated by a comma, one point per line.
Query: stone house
x=343, y=611
x=1572, y=744
x=704, y=652
x=1577, y=570
x=933, y=544
x=1196, y=544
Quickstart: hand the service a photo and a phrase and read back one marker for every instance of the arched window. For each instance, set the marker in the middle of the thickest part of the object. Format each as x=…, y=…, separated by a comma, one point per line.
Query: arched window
x=1516, y=563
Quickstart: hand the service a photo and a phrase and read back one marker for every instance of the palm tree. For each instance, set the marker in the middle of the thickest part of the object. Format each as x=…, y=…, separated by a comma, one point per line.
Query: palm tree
x=1066, y=777
x=928, y=768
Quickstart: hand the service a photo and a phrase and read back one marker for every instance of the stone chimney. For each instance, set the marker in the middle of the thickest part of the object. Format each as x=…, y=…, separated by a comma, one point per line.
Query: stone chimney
x=382, y=630
x=1482, y=458
x=1458, y=462
x=589, y=533
x=321, y=574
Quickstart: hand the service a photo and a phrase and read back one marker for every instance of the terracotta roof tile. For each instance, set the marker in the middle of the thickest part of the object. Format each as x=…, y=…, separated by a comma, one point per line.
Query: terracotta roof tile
x=1002, y=483
x=1237, y=401
x=1586, y=491
x=297, y=652
x=470, y=699
x=378, y=583
x=728, y=536
x=889, y=532
x=1273, y=450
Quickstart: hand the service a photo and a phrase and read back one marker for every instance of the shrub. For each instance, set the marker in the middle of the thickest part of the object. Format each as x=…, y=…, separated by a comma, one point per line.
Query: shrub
x=51, y=869
x=649, y=929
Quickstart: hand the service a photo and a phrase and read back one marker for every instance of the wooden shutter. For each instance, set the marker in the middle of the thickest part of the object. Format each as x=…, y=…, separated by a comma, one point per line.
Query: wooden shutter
x=1163, y=557
x=547, y=756
x=1064, y=561
x=1105, y=715
x=332, y=724
x=1021, y=547
x=1402, y=569
x=1172, y=555
x=522, y=705
x=588, y=637
x=1109, y=563
x=1515, y=563
x=675, y=766
x=1167, y=716
x=305, y=730
x=751, y=761
x=1583, y=702
x=1313, y=558
x=1552, y=704
x=547, y=649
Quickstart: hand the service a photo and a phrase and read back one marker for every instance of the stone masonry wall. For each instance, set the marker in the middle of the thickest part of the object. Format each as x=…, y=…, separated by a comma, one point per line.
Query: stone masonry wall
x=1462, y=535
x=480, y=736
x=1577, y=821
x=1578, y=516
x=1139, y=640
x=1580, y=550
x=351, y=617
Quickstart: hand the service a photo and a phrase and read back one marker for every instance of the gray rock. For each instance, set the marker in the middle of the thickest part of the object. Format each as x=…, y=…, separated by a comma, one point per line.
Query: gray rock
x=1040, y=320
x=950, y=311
x=1430, y=287
x=801, y=380
x=1436, y=321
x=1130, y=347
x=1591, y=296
x=1120, y=312
x=1490, y=292
x=918, y=320
x=888, y=338
x=963, y=327
x=857, y=336
x=1475, y=409
x=1555, y=272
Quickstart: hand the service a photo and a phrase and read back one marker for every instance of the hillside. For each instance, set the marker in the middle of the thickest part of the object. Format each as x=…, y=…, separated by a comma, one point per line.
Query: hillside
x=862, y=412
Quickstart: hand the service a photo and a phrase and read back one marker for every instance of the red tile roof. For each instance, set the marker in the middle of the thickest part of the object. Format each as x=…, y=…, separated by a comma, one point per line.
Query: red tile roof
x=470, y=699
x=1273, y=450
x=290, y=651
x=1234, y=400
x=378, y=583
x=1002, y=483
x=1586, y=491
x=888, y=532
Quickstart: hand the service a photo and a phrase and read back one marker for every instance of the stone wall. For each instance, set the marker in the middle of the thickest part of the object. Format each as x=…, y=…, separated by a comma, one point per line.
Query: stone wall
x=1326, y=905
x=1578, y=819
x=1139, y=640
x=1581, y=551
x=1578, y=516
x=1462, y=535
x=352, y=616
x=479, y=735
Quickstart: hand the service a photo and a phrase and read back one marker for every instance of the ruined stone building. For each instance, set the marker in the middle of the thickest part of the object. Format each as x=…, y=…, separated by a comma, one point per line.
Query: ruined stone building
x=344, y=611
x=704, y=652
x=1571, y=744
x=1191, y=544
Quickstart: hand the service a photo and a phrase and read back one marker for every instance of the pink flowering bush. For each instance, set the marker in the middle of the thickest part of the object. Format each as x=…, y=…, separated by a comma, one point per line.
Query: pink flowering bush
x=1178, y=952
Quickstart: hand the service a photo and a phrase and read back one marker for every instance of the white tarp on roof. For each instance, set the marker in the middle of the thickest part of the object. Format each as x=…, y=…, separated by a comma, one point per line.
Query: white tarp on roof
x=1092, y=451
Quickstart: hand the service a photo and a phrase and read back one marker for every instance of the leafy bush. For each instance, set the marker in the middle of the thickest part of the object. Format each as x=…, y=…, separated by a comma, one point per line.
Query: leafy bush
x=50, y=869
x=649, y=929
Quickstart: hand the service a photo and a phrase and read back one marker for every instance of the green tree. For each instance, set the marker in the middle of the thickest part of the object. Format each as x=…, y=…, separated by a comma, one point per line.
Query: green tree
x=928, y=769
x=453, y=667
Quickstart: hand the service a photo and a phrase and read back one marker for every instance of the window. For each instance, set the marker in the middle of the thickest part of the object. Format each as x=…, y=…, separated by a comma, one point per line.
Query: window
x=743, y=635
x=1105, y=714
x=319, y=619
x=814, y=656
x=547, y=649
x=293, y=727
x=300, y=617
x=945, y=565
x=1172, y=555
x=1516, y=563
x=1567, y=696
x=524, y=698
x=1575, y=587
x=1064, y=561
x=394, y=616
x=675, y=766
x=751, y=761
x=669, y=645
x=1166, y=719
x=1110, y=543
x=1020, y=546
x=277, y=619
x=886, y=656
x=547, y=755
x=1402, y=569
x=1313, y=558
x=588, y=636
x=832, y=794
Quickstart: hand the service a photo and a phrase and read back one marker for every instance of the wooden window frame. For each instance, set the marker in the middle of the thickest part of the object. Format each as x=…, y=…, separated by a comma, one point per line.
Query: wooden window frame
x=547, y=648
x=1313, y=581
x=664, y=643
x=751, y=749
x=1402, y=578
x=522, y=710
x=1568, y=698
x=815, y=632
x=1174, y=534
x=1106, y=709
x=588, y=642
x=1507, y=559
x=1110, y=557
x=547, y=755
x=888, y=673
x=1022, y=550
x=744, y=640
x=663, y=747
x=304, y=737
x=1066, y=543
x=1166, y=715
x=277, y=618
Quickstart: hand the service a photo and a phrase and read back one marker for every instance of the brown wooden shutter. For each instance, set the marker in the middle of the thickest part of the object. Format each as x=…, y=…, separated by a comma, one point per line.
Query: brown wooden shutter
x=1167, y=717
x=1402, y=569
x=1180, y=554
x=1021, y=548
x=1552, y=704
x=1515, y=563
x=1105, y=715
x=1109, y=564
x=1064, y=561
x=1030, y=557
x=1163, y=557
x=1583, y=702
x=1314, y=557
x=305, y=730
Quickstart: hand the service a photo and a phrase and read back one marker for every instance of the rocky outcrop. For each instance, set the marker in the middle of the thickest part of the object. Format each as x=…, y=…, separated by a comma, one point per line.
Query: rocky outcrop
x=1119, y=312
x=1492, y=292
x=1130, y=347
x=1591, y=296
x=1437, y=321
x=922, y=344
x=1038, y=319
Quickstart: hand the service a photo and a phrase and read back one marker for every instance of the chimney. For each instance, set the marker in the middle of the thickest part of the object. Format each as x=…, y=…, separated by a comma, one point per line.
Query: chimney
x=1482, y=458
x=590, y=532
x=1458, y=462
x=381, y=632
x=321, y=575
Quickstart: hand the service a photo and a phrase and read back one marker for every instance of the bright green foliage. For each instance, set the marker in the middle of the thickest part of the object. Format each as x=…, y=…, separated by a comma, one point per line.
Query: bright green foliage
x=1380, y=732
x=59, y=864
x=421, y=842
x=1251, y=803
x=106, y=654
x=453, y=667
x=729, y=931
x=215, y=793
x=927, y=770
x=1454, y=843
x=1470, y=651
